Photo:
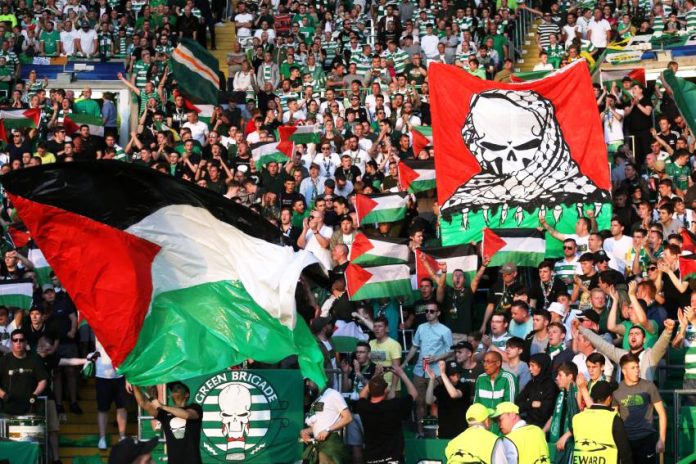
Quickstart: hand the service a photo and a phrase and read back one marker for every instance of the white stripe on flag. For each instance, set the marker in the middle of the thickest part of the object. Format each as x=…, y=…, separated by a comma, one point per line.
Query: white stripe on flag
x=389, y=202
x=388, y=273
x=424, y=174
x=465, y=263
x=185, y=57
x=23, y=288
x=524, y=244
x=389, y=250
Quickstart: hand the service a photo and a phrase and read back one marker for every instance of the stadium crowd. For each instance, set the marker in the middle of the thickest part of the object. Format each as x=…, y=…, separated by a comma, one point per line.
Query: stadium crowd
x=556, y=347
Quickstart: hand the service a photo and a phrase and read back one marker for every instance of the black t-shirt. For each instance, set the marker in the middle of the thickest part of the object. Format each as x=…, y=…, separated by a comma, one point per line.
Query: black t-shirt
x=49, y=362
x=542, y=292
x=457, y=309
x=451, y=412
x=384, y=437
x=637, y=121
x=469, y=377
x=47, y=329
x=55, y=147
x=19, y=378
x=184, y=450
x=501, y=297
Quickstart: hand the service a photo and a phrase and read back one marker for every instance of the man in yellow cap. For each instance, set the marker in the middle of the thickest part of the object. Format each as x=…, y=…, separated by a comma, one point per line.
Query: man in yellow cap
x=476, y=443
x=524, y=443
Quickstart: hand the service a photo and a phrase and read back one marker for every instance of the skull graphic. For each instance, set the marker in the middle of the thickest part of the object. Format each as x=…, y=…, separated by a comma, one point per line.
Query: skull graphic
x=235, y=411
x=178, y=426
x=524, y=159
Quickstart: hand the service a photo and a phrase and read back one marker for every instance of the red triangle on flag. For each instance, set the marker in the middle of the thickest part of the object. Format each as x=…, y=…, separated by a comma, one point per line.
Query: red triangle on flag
x=3, y=133
x=34, y=114
x=70, y=126
x=19, y=237
x=363, y=205
x=638, y=75
x=406, y=175
x=687, y=267
x=689, y=241
x=286, y=145
x=361, y=245
x=492, y=243
x=421, y=270
x=356, y=277
x=420, y=141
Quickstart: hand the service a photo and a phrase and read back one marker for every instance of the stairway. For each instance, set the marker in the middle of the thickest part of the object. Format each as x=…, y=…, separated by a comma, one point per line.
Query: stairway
x=225, y=36
x=82, y=428
x=530, y=52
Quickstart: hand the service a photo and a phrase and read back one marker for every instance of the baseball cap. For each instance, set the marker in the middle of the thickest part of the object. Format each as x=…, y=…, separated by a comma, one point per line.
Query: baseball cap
x=589, y=314
x=462, y=345
x=504, y=408
x=600, y=256
x=128, y=450
x=453, y=368
x=319, y=323
x=557, y=308
x=346, y=217
x=47, y=287
x=601, y=391
x=478, y=413
x=508, y=268
x=84, y=23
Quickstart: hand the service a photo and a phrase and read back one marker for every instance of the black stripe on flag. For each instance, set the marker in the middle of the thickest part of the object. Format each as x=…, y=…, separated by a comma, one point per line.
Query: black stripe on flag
x=120, y=194
x=519, y=233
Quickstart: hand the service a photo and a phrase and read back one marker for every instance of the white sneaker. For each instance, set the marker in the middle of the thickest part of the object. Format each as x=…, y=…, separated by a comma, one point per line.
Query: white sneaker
x=102, y=443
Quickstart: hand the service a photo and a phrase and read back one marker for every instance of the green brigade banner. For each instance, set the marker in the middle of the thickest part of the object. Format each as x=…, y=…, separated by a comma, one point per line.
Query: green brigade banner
x=506, y=154
x=250, y=416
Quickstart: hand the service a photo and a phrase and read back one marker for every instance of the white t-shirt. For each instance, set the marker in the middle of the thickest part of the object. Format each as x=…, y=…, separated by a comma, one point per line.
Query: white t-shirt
x=613, y=128
x=5, y=332
x=88, y=41
x=543, y=67
x=199, y=131
x=103, y=368
x=618, y=250
x=581, y=242
x=322, y=254
x=67, y=39
x=599, y=31
x=243, y=18
x=330, y=405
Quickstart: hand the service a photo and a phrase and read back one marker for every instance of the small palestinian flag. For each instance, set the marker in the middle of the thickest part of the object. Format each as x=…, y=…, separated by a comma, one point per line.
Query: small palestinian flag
x=196, y=72
x=688, y=240
x=381, y=207
x=17, y=293
x=300, y=134
x=41, y=266
x=19, y=236
x=462, y=257
x=265, y=152
x=366, y=251
x=687, y=267
x=417, y=175
x=391, y=281
x=74, y=121
x=524, y=247
x=422, y=137
x=637, y=75
x=175, y=280
x=20, y=119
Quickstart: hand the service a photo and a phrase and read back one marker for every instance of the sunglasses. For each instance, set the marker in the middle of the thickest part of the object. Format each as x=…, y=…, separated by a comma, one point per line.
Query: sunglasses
x=652, y=268
x=18, y=340
x=568, y=248
x=431, y=311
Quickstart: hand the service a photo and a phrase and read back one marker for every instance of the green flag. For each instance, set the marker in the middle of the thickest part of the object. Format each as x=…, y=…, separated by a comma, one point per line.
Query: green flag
x=684, y=94
x=196, y=72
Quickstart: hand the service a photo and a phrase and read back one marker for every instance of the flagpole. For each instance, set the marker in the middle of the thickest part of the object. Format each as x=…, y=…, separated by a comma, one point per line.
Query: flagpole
x=403, y=331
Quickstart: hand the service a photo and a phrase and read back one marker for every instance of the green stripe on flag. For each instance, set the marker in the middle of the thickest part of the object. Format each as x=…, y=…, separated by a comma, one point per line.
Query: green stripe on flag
x=213, y=322
x=306, y=134
x=16, y=294
x=684, y=94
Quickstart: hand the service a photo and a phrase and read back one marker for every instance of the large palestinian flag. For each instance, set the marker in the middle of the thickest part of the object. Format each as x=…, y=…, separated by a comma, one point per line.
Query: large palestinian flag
x=506, y=153
x=524, y=247
x=176, y=281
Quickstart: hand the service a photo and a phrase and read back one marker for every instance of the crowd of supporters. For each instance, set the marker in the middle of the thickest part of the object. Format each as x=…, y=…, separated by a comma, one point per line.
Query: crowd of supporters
x=605, y=314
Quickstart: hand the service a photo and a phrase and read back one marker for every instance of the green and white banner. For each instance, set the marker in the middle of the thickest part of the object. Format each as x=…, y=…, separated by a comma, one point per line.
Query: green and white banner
x=250, y=416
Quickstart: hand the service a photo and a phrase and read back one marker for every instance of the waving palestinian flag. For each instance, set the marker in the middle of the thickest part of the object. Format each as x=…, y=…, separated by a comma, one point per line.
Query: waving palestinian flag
x=381, y=207
x=458, y=257
x=390, y=281
x=175, y=280
x=506, y=153
x=378, y=251
x=422, y=137
x=417, y=175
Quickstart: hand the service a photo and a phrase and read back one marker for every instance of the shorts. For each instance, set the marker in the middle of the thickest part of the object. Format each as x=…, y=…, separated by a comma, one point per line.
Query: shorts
x=52, y=422
x=111, y=391
x=355, y=432
x=67, y=350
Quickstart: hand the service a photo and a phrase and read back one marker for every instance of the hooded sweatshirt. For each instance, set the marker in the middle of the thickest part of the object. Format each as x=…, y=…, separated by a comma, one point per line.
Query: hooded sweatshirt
x=537, y=400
